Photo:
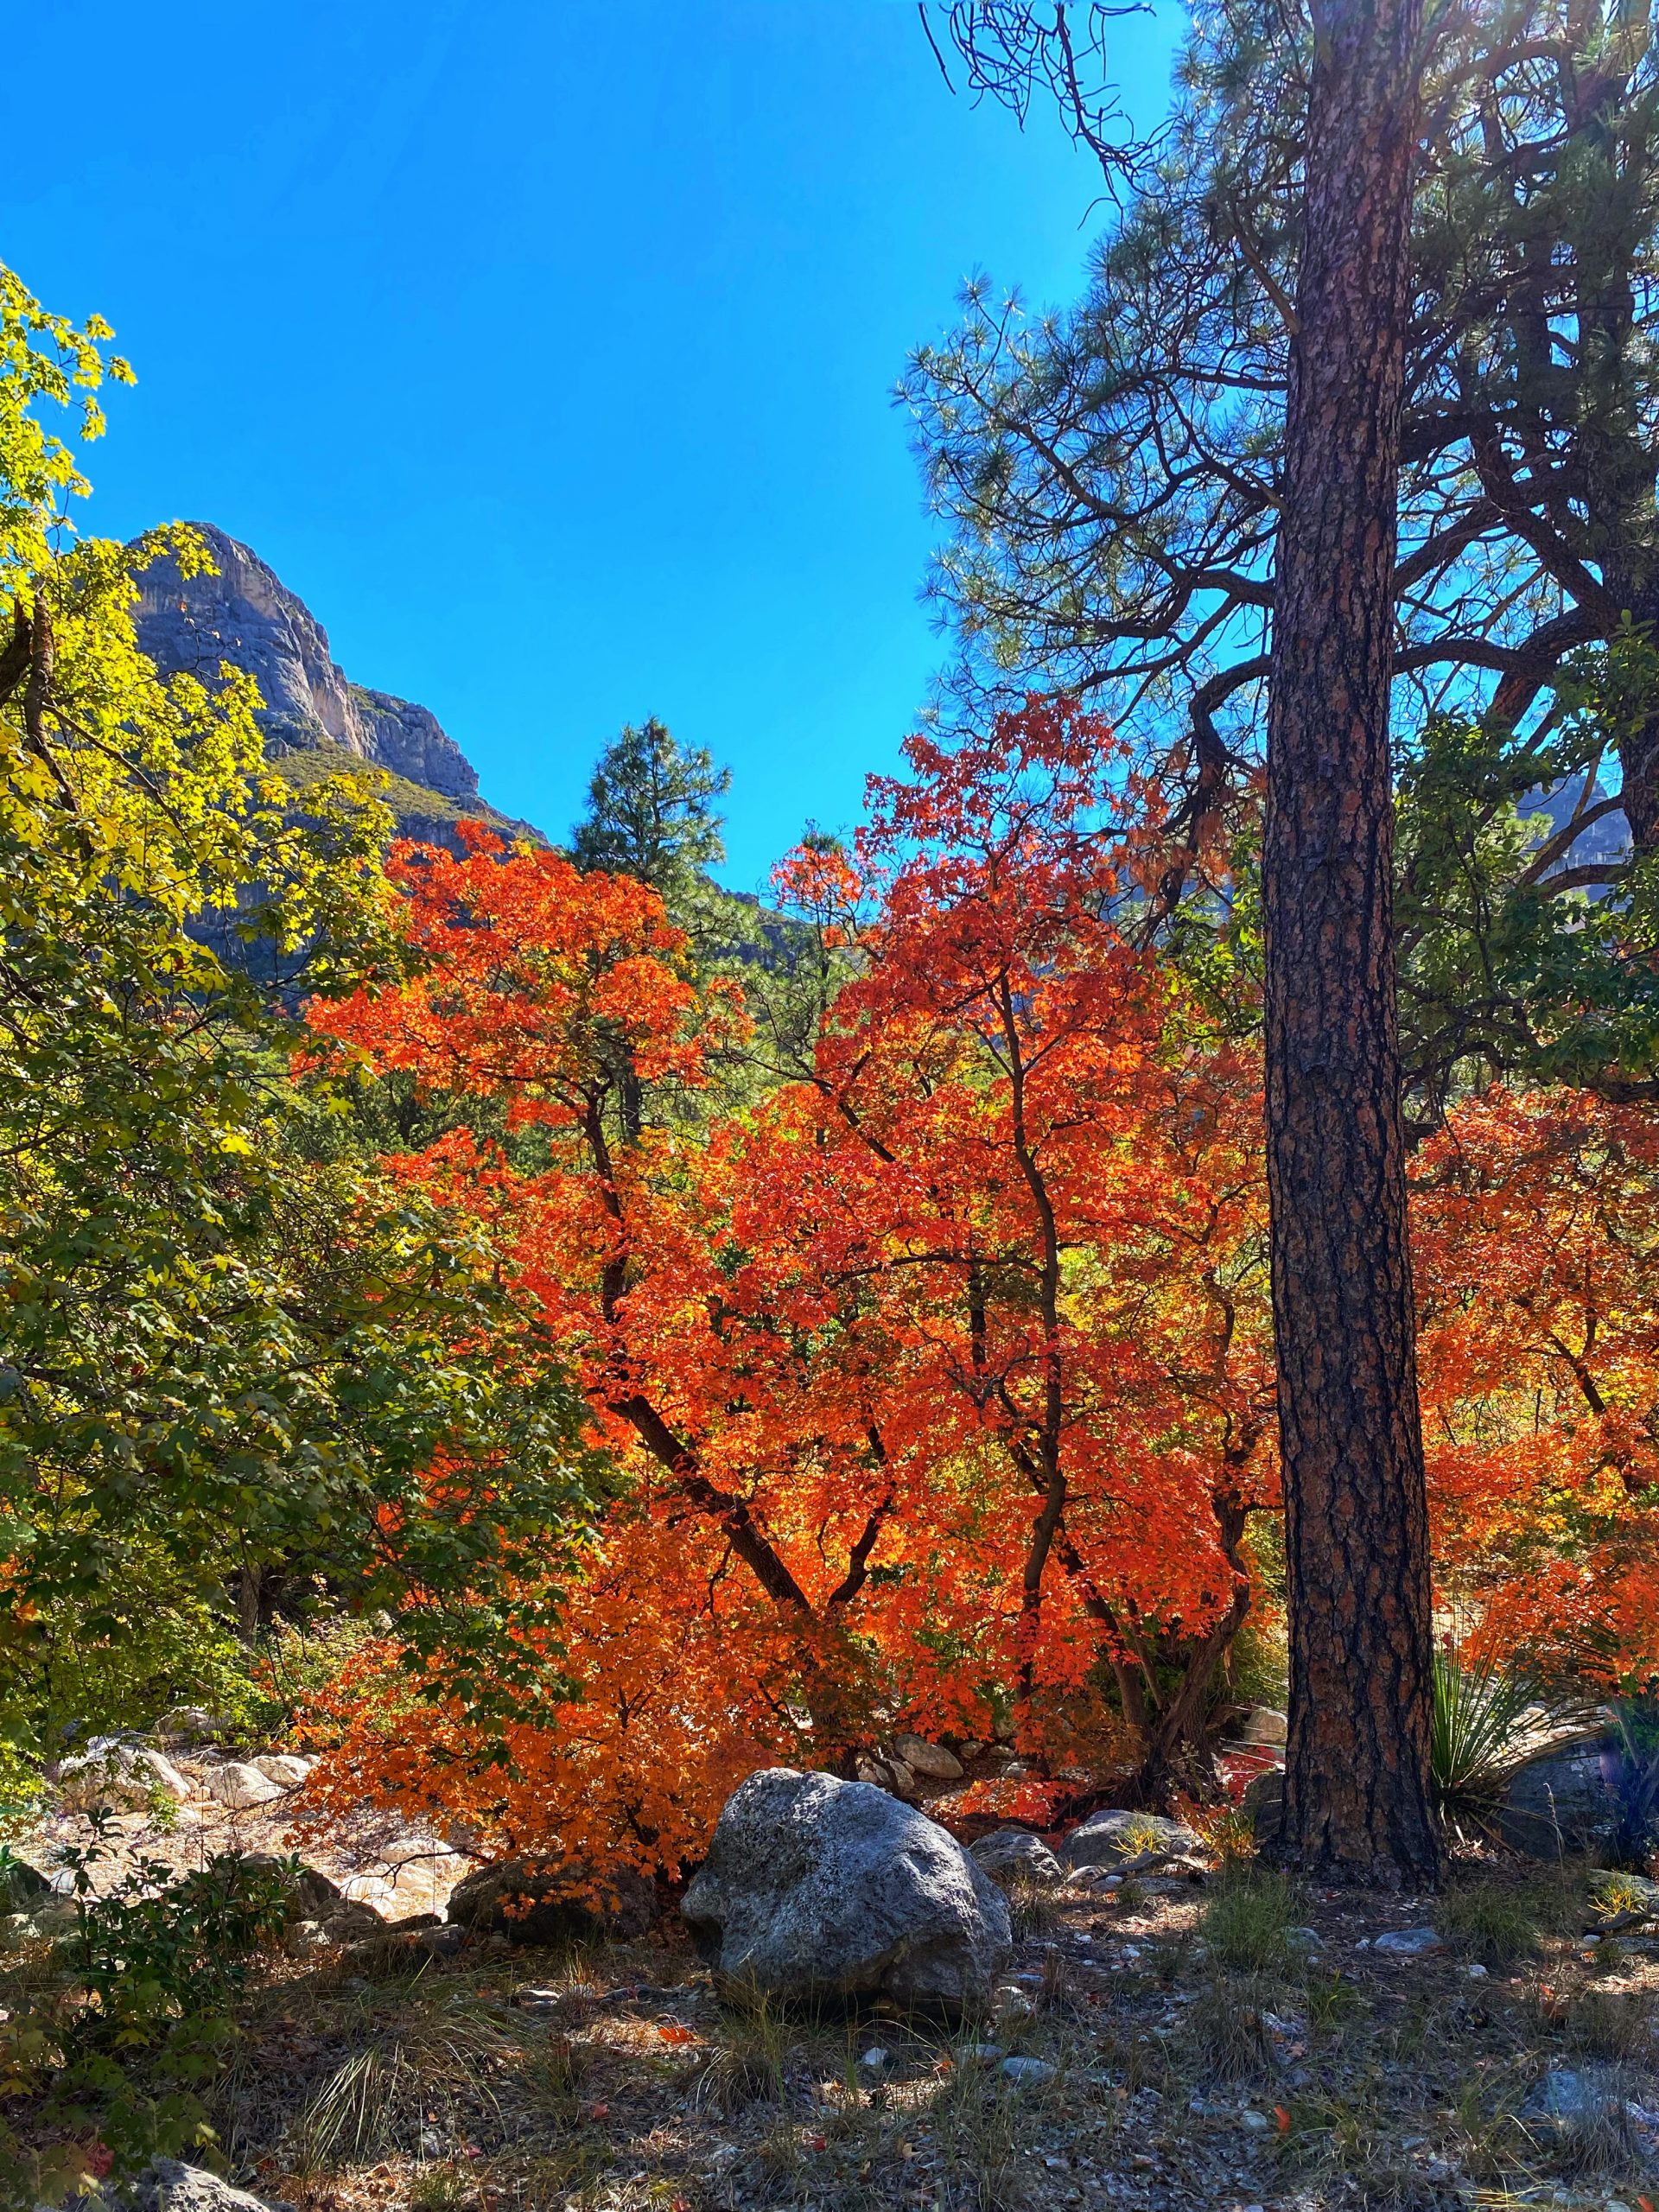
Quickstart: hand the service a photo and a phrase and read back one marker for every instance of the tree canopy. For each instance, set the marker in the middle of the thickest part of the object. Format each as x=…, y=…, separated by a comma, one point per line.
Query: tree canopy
x=221, y=1348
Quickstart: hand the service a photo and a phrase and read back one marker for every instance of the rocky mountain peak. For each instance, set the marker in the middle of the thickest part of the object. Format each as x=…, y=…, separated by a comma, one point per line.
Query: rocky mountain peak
x=247, y=616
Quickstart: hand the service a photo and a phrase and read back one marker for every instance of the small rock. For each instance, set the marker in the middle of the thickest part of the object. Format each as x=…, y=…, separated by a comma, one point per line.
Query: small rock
x=443, y=1942
x=306, y=1937
x=1263, y=1724
x=238, y=1786
x=351, y=1918
x=1476, y=1973
x=195, y=1723
x=1257, y=2122
x=1115, y=1837
x=874, y=2058
x=978, y=2054
x=1010, y=1853
x=1572, y=2094
x=1409, y=1943
x=931, y=1759
x=1028, y=2073
x=286, y=1769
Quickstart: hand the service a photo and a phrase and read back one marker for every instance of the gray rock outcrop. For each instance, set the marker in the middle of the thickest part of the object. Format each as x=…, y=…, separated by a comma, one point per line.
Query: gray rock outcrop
x=118, y=1774
x=1566, y=1799
x=170, y=2185
x=817, y=1889
x=247, y=616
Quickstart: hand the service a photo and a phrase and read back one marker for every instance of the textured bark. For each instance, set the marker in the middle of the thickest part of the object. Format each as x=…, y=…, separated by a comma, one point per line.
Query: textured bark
x=1356, y=1799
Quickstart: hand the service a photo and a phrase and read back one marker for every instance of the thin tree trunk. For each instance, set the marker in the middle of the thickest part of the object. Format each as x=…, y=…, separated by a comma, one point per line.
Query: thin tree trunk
x=250, y=1590
x=1356, y=1797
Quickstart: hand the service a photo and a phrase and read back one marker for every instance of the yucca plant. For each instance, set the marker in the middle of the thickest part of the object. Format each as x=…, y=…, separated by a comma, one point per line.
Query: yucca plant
x=1486, y=1712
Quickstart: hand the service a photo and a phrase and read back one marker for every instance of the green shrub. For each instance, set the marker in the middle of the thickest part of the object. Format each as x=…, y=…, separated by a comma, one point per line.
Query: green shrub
x=110, y=2068
x=1225, y=2033
x=295, y=1659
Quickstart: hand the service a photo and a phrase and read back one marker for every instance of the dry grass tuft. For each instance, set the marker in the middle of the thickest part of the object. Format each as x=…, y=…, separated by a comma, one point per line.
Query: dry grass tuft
x=1497, y=1924
x=744, y=2065
x=1225, y=2036
x=1604, y=2024
x=1247, y=1921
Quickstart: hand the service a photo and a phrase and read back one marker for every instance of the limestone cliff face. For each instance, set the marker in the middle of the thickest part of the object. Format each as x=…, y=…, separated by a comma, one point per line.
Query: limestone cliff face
x=247, y=616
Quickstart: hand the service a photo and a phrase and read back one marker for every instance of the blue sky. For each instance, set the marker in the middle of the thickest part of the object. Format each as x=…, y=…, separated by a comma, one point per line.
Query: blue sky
x=546, y=348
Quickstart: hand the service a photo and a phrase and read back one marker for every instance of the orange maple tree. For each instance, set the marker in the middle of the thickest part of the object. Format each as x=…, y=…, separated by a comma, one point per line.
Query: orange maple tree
x=938, y=1379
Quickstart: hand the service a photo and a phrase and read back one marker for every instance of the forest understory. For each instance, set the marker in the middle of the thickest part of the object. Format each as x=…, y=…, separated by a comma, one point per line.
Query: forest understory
x=1226, y=2038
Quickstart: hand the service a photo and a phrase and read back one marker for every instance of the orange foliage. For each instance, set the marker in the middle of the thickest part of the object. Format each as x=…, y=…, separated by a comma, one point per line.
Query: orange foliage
x=1537, y=1239
x=939, y=1381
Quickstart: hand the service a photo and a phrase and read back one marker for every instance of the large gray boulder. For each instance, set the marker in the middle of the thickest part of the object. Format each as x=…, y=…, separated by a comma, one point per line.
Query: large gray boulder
x=933, y=1760
x=1565, y=1799
x=240, y=1786
x=122, y=1775
x=817, y=1889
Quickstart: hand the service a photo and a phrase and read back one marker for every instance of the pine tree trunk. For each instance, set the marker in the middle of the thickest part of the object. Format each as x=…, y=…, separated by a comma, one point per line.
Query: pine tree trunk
x=1356, y=1800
